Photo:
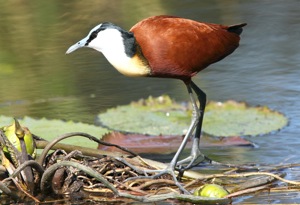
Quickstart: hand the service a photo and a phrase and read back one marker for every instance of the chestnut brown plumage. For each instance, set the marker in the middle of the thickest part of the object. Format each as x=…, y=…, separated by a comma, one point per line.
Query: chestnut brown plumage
x=167, y=47
x=180, y=48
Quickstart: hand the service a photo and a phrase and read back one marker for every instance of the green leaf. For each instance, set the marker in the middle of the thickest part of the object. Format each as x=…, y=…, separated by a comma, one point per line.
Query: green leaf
x=238, y=119
x=161, y=115
x=153, y=116
x=50, y=129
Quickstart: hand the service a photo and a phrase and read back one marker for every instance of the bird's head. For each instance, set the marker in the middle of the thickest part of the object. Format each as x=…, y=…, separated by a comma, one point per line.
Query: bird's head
x=105, y=37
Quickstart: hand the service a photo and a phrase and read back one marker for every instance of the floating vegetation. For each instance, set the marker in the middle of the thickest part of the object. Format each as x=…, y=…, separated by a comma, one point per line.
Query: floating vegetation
x=82, y=174
x=165, y=144
x=233, y=118
x=51, y=128
x=161, y=115
x=75, y=171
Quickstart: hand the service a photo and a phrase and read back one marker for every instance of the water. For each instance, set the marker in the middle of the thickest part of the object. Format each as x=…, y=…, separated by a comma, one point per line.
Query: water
x=39, y=80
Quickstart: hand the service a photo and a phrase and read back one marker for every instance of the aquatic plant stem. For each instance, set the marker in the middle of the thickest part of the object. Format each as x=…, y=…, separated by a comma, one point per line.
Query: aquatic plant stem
x=72, y=134
x=89, y=171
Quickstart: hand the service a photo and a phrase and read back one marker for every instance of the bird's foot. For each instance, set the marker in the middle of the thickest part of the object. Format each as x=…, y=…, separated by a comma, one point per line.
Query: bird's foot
x=194, y=159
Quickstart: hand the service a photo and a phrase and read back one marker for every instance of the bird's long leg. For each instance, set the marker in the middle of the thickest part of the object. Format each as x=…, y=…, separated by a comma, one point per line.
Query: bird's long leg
x=195, y=127
x=171, y=167
x=194, y=123
x=195, y=152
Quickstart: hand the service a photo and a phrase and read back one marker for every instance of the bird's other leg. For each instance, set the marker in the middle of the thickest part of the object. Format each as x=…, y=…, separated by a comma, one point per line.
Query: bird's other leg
x=171, y=167
x=194, y=122
x=195, y=152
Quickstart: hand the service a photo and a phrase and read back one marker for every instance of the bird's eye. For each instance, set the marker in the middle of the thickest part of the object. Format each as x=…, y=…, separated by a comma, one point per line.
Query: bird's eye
x=92, y=36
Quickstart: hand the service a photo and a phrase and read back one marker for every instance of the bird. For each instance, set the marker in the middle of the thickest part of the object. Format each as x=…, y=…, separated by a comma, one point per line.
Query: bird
x=167, y=46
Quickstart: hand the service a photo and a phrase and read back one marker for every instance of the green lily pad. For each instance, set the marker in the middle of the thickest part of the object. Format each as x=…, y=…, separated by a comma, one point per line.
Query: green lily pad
x=162, y=115
x=50, y=129
x=153, y=116
x=238, y=119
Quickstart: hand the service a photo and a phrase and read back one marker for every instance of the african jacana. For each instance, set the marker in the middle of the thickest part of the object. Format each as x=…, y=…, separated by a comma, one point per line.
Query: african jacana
x=167, y=47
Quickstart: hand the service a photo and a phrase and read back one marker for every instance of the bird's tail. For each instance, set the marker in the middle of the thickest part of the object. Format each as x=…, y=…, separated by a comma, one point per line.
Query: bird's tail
x=238, y=28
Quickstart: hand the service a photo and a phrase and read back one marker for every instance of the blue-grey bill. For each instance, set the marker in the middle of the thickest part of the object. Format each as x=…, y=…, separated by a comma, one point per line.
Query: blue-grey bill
x=76, y=46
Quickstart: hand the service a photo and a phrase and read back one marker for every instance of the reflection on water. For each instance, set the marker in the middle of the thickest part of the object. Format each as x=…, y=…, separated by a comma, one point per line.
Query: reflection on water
x=39, y=80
